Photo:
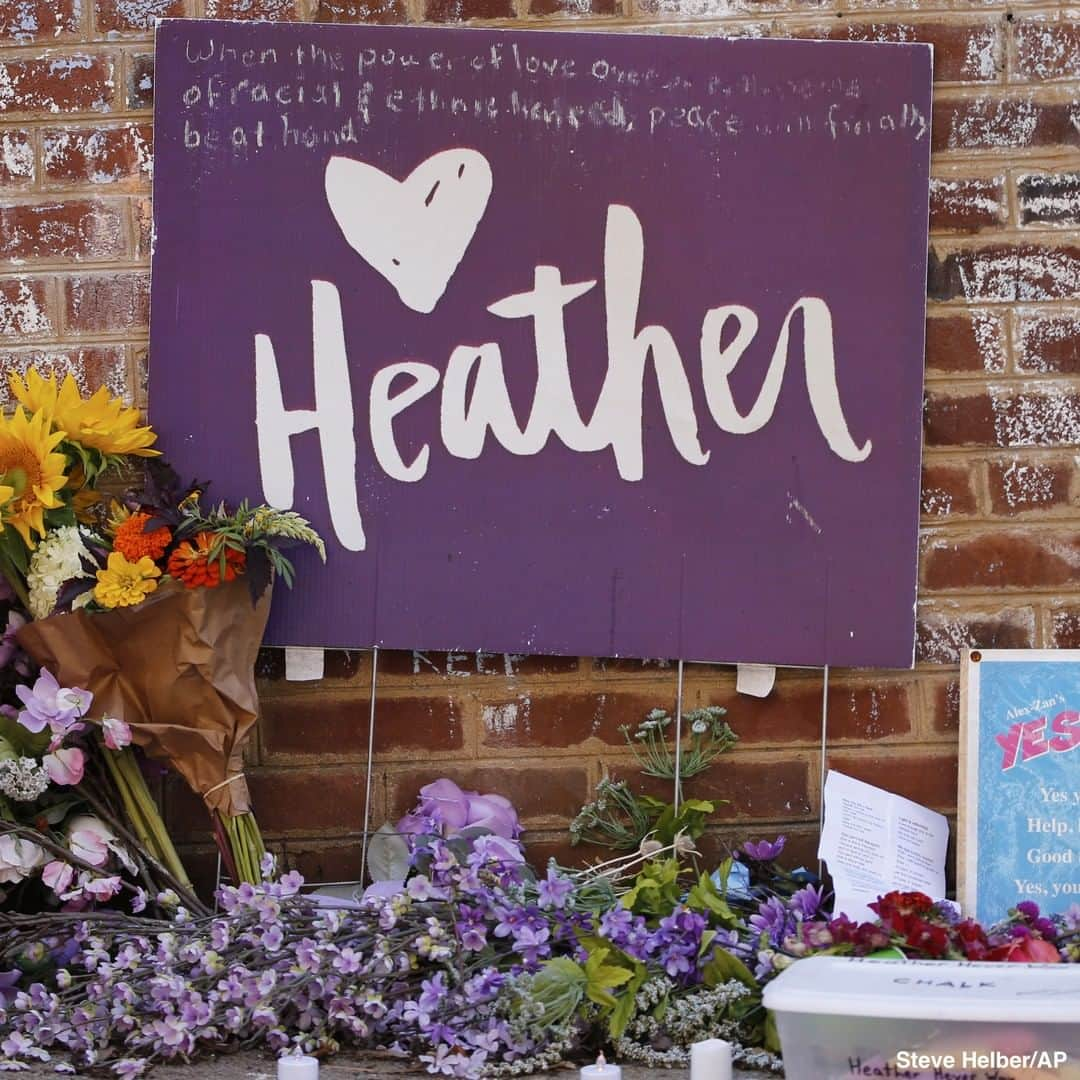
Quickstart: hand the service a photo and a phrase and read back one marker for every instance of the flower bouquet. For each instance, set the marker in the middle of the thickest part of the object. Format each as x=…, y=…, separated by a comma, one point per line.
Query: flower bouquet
x=150, y=602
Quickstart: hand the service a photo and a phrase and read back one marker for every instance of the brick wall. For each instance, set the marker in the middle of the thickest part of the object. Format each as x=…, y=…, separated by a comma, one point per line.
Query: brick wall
x=1000, y=548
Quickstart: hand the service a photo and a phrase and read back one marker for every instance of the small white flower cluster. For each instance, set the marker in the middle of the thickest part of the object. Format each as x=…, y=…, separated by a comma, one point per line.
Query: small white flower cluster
x=56, y=560
x=23, y=779
x=689, y=1017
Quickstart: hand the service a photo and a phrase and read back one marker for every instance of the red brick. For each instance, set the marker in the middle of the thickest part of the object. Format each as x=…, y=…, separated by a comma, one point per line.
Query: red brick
x=362, y=11
x=104, y=155
x=943, y=631
x=142, y=215
x=964, y=52
x=139, y=81
x=201, y=864
x=91, y=367
x=77, y=82
x=967, y=204
x=947, y=491
x=1006, y=273
x=461, y=10
x=800, y=843
x=1048, y=48
x=107, y=302
x=562, y=720
x=1049, y=198
x=397, y=662
x=26, y=21
x=1018, y=487
x=273, y=10
x=1049, y=342
x=16, y=158
x=1065, y=627
x=25, y=309
x=137, y=16
x=972, y=342
x=1001, y=559
x=318, y=723
x=584, y=8
x=1047, y=416
x=945, y=707
x=540, y=847
x=1019, y=121
x=769, y=789
x=540, y=791
x=927, y=777
x=792, y=712
x=312, y=801
x=76, y=229
x=320, y=862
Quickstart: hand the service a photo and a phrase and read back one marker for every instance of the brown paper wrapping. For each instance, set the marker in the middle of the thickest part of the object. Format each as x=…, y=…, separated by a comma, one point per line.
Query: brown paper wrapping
x=179, y=669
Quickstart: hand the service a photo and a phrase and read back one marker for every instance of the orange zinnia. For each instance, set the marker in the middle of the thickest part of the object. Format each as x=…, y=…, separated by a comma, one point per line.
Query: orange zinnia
x=133, y=541
x=191, y=563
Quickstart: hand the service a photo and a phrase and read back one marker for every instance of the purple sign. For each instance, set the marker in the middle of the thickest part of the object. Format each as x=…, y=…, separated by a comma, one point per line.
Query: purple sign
x=567, y=343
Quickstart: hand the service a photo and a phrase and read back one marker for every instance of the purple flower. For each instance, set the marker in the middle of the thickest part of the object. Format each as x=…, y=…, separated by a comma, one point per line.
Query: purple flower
x=554, y=890
x=772, y=920
x=1028, y=909
x=807, y=901
x=433, y=991
x=763, y=851
x=48, y=704
x=445, y=802
x=8, y=644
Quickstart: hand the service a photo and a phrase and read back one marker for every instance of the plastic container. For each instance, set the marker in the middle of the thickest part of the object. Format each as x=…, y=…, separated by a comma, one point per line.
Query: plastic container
x=841, y=1017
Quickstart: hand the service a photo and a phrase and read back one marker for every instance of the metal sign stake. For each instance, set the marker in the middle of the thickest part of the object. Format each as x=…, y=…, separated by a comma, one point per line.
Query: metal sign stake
x=370, y=762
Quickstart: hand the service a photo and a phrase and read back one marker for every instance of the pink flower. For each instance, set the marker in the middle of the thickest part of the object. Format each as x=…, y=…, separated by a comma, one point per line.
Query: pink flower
x=65, y=767
x=102, y=888
x=48, y=704
x=117, y=733
x=58, y=876
x=89, y=839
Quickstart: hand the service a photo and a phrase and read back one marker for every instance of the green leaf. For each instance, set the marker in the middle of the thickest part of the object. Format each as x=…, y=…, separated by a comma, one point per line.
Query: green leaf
x=772, y=1036
x=705, y=897
x=626, y=1003
x=25, y=743
x=723, y=967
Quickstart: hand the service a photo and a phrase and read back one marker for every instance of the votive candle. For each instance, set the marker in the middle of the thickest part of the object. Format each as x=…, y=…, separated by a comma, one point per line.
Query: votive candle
x=710, y=1060
x=294, y=1067
x=602, y=1070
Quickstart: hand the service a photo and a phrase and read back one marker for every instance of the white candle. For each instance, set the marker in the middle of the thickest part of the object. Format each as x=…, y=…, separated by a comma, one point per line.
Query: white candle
x=710, y=1060
x=297, y=1068
x=601, y=1071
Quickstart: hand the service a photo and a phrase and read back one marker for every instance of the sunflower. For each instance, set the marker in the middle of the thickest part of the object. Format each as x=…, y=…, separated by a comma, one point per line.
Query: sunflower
x=100, y=422
x=30, y=473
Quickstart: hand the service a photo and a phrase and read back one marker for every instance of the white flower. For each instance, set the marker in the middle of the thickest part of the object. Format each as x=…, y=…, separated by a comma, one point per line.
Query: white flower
x=23, y=779
x=699, y=727
x=57, y=559
x=19, y=858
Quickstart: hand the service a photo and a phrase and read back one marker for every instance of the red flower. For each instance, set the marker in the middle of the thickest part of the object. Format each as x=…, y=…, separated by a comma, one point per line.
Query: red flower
x=1026, y=950
x=191, y=563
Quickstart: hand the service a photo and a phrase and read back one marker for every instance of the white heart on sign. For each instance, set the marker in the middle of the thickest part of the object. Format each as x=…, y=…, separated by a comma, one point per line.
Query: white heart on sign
x=414, y=232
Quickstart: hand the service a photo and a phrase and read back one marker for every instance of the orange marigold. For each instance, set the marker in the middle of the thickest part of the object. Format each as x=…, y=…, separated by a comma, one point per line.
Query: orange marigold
x=133, y=542
x=191, y=564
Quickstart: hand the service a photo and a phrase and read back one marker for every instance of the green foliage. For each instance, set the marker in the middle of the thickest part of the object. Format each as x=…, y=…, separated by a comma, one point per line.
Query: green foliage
x=656, y=889
x=709, y=736
x=711, y=901
x=608, y=968
x=688, y=820
x=259, y=531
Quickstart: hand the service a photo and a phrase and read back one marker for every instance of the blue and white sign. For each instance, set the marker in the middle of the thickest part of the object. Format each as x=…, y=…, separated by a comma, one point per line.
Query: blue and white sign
x=1019, y=780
